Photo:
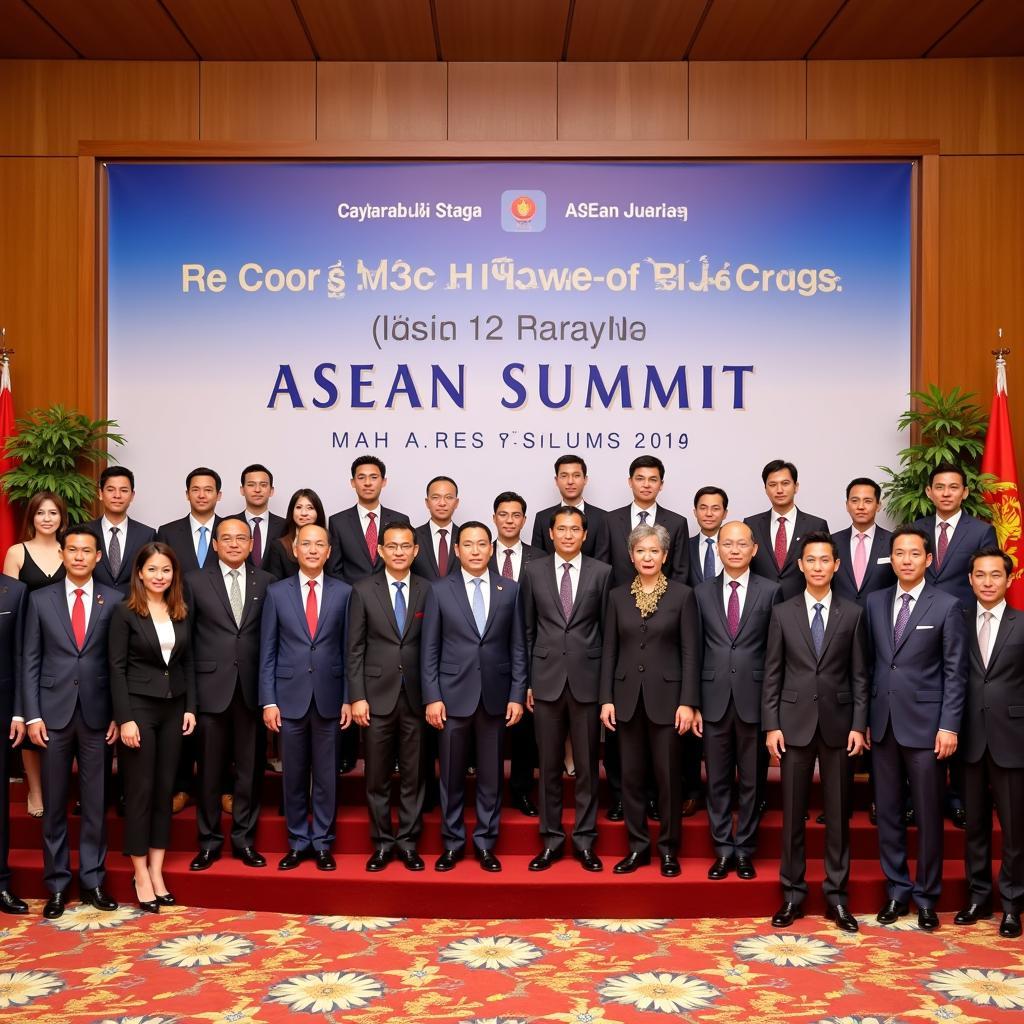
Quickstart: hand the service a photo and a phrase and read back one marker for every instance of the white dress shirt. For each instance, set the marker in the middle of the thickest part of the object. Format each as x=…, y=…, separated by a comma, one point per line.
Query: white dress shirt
x=392, y=592
x=825, y=602
x=86, y=589
x=741, y=590
x=634, y=515
x=517, y=556
x=773, y=527
x=122, y=532
x=993, y=629
x=226, y=571
x=435, y=539
x=318, y=590
x=898, y=603
x=485, y=589
x=953, y=520
x=364, y=518
x=869, y=539
x=165, y=634
x=702, y=550
x=195, y=525
x=574, y=573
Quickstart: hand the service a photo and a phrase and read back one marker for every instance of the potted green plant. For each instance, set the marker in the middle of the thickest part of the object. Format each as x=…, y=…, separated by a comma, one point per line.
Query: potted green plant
x=945, y=427
x=51, y=447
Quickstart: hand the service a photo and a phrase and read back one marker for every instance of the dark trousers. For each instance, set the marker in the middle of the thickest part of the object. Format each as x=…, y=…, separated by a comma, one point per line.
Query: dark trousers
x=522, y=755
x=76, y=739
x=5, y=801
x=641, y=741
x=692, y=755
x=395, y=736
x=732, y=751
x=797, y=769
x=235, y=735
x=926, y=775
x=308, y=746
x=488, y=733
x=185, y=769
x=148, y=772
x=986, y=783
x=554, y=720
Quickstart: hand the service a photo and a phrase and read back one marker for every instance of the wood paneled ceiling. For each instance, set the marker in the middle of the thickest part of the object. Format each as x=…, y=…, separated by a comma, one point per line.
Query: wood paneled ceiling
x=509, y=30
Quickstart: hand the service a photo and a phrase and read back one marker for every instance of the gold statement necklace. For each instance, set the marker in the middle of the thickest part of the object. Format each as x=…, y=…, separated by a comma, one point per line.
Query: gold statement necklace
x=648, y=603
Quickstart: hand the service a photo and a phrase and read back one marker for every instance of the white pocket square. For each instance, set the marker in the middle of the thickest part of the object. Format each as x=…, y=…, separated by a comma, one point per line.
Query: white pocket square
x=884, y=561
x=924, y=627
x=5, y=613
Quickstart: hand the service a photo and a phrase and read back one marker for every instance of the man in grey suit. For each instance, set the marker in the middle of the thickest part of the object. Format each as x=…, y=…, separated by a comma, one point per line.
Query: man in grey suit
x=565, y=597
x=993, y=743
x=735, y=610
x=814, y=707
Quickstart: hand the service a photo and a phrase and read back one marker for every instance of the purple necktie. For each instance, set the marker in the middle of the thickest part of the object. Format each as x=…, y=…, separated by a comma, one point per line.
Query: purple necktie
x=565, y=591
x=940, y=553
x=732, y=616
x=780, y=544
x=257, y=542
x=901, y=620
x=442, y=552
x=506, y=566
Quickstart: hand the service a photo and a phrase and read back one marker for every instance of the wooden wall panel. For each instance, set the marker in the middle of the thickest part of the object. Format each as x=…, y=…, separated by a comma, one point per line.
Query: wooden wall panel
x=622, y=101
x=379, y=100
x=748, y=100
x=524, y=30
x=27, y=35
x=514, y=101
x=252, y=100
x=760, y=29
x=995, y=28
x=610, y=29
x=242, y=29
x=971, y=106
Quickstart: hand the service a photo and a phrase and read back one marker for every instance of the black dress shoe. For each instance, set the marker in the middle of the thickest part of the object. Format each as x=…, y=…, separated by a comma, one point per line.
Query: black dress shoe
x=448, y=860
x=721, y=867
x=762, y=806
x=959, y=817
x=669, y=865
x=55, y=906
x=522, y=803
x=203, y=859
x=379, y=860
x=820, y=819
x=487, y=859
x=689, y=808
x=873, y=813
x=410, y=858
x=842, y=917
x=786, y=915
x=10, y=904
x=1009, y=928
x=652, y=810
x=325, y=861
x=293, y=858
x=892, y=912
x=909, y=817
x=975, y=912
x=589, y=860
x=346, y=766
x=927, y=919
x=166, y=899
x=249, y=856
x=629, y=864
x=745, y=868
x=545, y=859
x=615, y=812
x=97, y=898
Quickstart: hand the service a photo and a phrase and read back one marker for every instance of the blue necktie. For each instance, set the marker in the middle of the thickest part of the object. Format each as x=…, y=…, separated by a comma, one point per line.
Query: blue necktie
x=203, y=546
x=709, y=559
x=818, y=629
x=399, y=607
x=479, y=615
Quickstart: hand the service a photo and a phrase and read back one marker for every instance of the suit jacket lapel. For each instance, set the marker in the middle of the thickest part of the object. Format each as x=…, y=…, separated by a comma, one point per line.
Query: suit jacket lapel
x=216, y=580
x=458, y=585
x=553, y=590
x=958, y=538
x=355, y=525
x=835, y=614
x=753, y=594
x=877, y=551
x=250, y=603
x=300, y=602
x=720, y=601
x=60, y=607
x=803, y=625
x=843, y=541
x=1006, y=627
x=497, y=586
x=326, y=602
x=383, y=592
x=94, y=614
x=149, y=628
x=415, y=601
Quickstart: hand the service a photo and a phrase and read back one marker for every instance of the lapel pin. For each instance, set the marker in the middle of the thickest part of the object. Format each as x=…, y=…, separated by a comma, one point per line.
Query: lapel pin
x=499, y=587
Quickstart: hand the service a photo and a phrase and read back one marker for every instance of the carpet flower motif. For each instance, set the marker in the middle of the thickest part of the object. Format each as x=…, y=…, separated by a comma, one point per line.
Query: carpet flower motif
x=84, y=917
x=786, y=950
x=663, y=992
x=858, y=1020
x=135, y=1020
x=324, y=993
x=496, y=1020
x=201, y=950
x=628, y=926
x=493, y=953
x=355, y=924
x=17, y=988
x=985, y=988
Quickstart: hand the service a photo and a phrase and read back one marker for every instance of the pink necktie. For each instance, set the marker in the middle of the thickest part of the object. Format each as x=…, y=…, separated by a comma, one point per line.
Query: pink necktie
x=860, y=560
x=506, y=567
x=985, y=637
x=311, y=612
x=780, y=544
x=940, y=554
x=371, y=537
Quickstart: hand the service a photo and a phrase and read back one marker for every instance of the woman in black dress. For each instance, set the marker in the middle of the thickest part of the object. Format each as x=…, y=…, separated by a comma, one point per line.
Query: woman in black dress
x=304, y=508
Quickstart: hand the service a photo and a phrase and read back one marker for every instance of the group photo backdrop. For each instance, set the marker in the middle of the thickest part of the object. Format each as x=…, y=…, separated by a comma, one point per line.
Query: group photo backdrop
x=480, y=318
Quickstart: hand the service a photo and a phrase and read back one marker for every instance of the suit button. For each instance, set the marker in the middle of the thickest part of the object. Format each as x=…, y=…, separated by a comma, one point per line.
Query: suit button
x=643, y=643
x=310, y=671
x=236, y=663
x=166, y=673
x=639, y=668
x=168, y=694
x=312, y=647
x=76, y=682
x=732, y=671
x=815, y=697
x=643, y=628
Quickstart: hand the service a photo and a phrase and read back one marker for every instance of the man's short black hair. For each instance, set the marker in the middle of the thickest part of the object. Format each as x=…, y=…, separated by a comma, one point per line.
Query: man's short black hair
x=203, y=471
x=705, y=491
x=991, y=551
x=474, y=524
x=81, y=530
x=647, y=462
x=115, y=471
x=256, y=467
x=369, y=460
x=570, y=460
x=911, y=531
x=864, y=481
x=442, y=479
x=819, y=537
x=510, y=496
x=777, y=466
x=567, y=510
x=947, y=467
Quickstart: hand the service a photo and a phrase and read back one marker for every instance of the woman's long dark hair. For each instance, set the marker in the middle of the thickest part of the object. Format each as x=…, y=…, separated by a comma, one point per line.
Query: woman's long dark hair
x=174, y=596
x=290, y=528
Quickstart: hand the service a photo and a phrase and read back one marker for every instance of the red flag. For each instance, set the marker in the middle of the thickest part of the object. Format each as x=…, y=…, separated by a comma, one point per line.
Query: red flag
x=8, y=527
x=1004, y=497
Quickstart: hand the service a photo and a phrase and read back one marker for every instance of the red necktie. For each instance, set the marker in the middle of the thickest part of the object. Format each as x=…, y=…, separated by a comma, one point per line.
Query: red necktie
x=940, y=554
x=506, y=568
x=442, y=552
x=311, y=613
x=371, y=537
x=78, y=619
x=780, y=544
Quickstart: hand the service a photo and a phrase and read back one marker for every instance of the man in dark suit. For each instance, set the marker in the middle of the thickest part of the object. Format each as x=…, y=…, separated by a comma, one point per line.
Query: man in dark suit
x=509, y=521
x=710, y=507
x=225, y=602
x=120, y=536
x=13, y=595
x=384, y=624
x=565, y=597
x=66, y=699
x=919, y=646
x=814, y=707
x=571, y=480
x=779, y=531
x=473, y=675
x=735, y=610
x=257, y=487
x=302, y=690
x=993, y=743
x=436, y=537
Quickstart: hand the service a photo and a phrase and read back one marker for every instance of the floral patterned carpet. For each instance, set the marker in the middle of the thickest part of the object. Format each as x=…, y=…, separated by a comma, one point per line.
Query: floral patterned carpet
x=228, y=966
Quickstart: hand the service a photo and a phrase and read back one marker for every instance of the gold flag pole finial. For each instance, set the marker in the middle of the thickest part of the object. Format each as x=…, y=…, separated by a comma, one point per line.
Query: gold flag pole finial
x=1002, y=352
x=5, y=352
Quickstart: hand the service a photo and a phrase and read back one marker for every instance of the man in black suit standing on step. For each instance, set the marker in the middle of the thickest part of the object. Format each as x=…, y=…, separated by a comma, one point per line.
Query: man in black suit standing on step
x=121, y=537
x=815, y=708
x=13, y=597
x=257, y=487
x=436, y=537
x=225, y=604
x=993, y=742
x=571, y=480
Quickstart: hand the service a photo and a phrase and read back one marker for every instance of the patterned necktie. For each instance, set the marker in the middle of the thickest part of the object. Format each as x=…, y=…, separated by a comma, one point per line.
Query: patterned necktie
x=479, y=614
x=860, y=560
x=311, y=612
x=780, y=544
x=643, y=514
x=506, y=567
x=901, y=620
x=940, y=552
x=371, y=537
x=442, y=553
x=78, y=619
x=818, y=629
x=235, y=597
x=257, y=541
x=399, y=607
x=114, y=552
x=985, y=636
x=709, y=559
x=732, y=615
x=204, y=546
x=565, y=591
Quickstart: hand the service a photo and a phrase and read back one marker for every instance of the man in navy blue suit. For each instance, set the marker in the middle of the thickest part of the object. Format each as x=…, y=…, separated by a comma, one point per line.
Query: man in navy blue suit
x=710, y=507
x=12, y=723
x=919, y=643
x=864, y=565
x=302, y=690
x=473, y=678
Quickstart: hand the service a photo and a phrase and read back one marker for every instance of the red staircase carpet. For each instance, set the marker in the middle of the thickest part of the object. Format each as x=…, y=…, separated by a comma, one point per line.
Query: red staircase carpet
x=563, y=891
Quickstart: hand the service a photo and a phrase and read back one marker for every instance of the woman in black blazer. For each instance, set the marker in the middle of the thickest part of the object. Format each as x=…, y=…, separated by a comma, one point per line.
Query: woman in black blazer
x=304, y=508
x=650, y=685
x=153, y=686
